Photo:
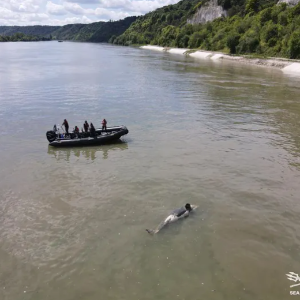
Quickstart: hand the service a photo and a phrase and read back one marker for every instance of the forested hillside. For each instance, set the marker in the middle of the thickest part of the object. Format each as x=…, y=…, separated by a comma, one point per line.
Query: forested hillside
x=253, y=26
x=21, y=37
x=37, y=30
x=148, y=28
x=94, y=32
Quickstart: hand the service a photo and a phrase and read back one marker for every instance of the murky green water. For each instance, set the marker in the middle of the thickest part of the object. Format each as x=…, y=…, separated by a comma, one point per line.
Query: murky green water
x=224, y=137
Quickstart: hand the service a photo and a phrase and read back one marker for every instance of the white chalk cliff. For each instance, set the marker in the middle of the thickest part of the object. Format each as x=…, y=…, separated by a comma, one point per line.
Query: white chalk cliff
x=208, y=12
x=289, y=2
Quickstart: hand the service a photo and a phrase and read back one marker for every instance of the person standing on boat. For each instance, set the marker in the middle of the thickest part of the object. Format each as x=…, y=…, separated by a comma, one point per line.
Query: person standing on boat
x=92, y=130
x=86, y=126
x=66, y=124
x=104, y=122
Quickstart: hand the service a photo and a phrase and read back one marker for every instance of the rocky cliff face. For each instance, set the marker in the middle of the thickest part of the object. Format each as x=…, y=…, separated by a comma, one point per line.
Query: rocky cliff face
x=209, y=12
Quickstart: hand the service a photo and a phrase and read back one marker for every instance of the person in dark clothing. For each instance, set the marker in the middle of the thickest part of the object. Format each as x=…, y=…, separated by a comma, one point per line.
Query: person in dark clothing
x=66, y=124
x=86, y=126
x=104, y=122
x=92, y=130
x=76, y=130
x=180, y=211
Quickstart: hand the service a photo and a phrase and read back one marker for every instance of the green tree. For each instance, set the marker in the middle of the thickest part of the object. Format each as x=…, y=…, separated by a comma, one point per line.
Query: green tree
x=168, y=35
x=265, y=15
x=294, y=45
x=195, y=40
x=270, y=31
x=252, y=6
x=232, y=42
x=248, y=42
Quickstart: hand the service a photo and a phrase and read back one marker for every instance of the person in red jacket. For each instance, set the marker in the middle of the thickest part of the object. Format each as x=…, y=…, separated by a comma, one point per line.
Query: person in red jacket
x=76, y=130
x=104, y=122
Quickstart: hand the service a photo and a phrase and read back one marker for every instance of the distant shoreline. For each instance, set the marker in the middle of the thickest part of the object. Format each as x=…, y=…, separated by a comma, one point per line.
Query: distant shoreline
x=286, y=65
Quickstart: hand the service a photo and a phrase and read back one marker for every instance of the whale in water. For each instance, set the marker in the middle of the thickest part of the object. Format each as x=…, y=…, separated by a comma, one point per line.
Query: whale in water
x=175, y=215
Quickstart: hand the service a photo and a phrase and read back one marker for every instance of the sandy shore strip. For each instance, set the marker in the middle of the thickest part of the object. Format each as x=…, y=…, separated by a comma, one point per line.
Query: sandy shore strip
x=286, y=65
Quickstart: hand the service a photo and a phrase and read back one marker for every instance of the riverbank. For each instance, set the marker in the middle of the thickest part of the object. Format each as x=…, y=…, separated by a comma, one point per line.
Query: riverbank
x=286, y=65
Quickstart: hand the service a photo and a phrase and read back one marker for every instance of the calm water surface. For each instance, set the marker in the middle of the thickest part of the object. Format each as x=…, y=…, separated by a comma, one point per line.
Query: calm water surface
x=224, y=137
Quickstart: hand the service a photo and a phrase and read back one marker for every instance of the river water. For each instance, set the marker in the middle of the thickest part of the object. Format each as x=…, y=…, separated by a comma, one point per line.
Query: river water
x=222, y=136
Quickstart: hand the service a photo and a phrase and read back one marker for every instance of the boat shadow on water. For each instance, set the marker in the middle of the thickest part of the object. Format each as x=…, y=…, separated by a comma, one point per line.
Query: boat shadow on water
x=89, y=153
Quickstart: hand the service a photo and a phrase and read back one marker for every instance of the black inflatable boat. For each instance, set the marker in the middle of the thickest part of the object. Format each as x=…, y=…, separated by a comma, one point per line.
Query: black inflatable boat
x=100, y=137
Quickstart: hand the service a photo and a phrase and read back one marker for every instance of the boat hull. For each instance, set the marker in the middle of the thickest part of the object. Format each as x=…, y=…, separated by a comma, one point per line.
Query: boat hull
x=111, y=129
x=104, y=138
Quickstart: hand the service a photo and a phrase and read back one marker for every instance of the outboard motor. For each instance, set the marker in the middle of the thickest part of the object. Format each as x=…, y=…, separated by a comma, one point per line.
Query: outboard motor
x=51, y=136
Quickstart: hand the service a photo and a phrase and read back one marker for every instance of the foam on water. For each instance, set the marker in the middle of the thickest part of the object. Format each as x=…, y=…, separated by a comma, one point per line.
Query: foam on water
x=217, y=56
x=201, y=54
x=178, y=51
x=149, y=47
x=292, y=68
